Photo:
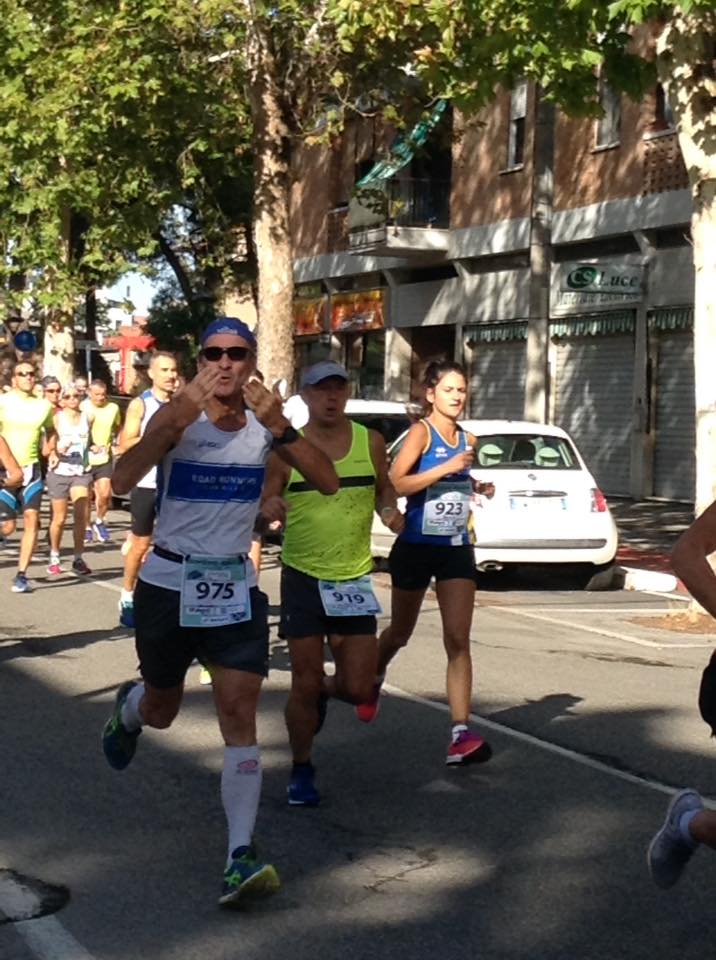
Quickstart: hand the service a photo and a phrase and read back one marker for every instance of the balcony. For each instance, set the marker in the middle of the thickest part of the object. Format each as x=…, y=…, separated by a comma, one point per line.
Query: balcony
x=400, y=217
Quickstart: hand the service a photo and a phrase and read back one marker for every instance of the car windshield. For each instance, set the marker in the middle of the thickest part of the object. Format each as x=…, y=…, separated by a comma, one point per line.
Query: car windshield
x=517, y=451
x=390, y=425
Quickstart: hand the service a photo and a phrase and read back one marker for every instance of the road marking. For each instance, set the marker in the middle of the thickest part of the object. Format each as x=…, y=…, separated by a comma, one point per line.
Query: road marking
x=599, y=631
x=45, y=936
x=533, y=741
x=105, y=585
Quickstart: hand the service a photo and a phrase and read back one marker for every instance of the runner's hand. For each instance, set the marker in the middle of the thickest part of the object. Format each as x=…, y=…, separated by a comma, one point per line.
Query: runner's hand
x=485, y=487
x=393, y=519
x=274, y=510
x=460, y=462
x=187, y=405
x=52, y=461
x=266, y=406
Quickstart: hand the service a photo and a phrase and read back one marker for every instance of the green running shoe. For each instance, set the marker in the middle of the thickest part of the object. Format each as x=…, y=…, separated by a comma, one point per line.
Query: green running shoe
x=118, y=743
x=245, y=877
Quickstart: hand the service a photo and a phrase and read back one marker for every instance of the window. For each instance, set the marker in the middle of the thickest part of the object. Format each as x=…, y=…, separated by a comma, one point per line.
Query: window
x=518, y=113
x=609, y=124
x=663, y=113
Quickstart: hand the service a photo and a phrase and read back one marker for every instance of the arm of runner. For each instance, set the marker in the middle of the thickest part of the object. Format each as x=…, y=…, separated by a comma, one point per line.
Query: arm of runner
x=129, y=435
x=273, y=506
x=164, y=430
x=310, y=462
x=386, y=501
x=13, y=470
x=689, y=559
x=406, y=483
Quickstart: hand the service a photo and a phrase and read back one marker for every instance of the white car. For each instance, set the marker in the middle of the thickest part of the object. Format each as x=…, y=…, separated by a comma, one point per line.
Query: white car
x=547, y=508
x=390, y=418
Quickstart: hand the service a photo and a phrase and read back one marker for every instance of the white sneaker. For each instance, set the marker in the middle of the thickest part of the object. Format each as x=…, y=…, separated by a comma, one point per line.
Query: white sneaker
x=669, y=852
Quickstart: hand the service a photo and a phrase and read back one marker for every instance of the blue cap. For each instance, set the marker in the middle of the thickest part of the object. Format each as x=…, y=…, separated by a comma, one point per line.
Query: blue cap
x=25, y=341
x=229, y=325
x=322, y=371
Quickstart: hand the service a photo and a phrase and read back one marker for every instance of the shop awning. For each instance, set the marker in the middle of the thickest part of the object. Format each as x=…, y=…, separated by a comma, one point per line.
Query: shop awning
x=403, y=149
x=593, y=324
x=672, y=318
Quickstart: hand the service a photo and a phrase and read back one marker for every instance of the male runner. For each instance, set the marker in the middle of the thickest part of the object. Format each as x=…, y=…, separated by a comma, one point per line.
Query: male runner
x=105, y=420
x=143, y=497
x=326, y=592
x=196, y=594
x=23, y=418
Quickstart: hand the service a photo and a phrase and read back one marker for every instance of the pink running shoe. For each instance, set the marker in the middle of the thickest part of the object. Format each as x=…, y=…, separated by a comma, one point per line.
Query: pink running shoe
x=368, y=711
x=54, y=569
x=468, y=747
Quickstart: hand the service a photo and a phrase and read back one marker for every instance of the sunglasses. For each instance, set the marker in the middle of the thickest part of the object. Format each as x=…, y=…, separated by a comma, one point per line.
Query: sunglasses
x=72, y=396
x=52, y=389
x=25, y=373
x=214, y=354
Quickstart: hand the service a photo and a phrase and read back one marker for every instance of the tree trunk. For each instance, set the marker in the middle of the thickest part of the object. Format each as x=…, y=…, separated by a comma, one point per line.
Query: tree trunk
x=271, y=212
x=537, y=373
x=172, y=258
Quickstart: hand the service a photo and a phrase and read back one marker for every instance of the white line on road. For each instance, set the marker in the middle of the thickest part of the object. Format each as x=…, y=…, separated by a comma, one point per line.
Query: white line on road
x=599, y=631
x=45, y=936
x=533, y=741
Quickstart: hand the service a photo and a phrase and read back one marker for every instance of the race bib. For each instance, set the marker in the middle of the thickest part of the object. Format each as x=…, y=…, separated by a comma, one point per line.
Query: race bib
x=98, y=457
x=349, y=598
x=447, y=508
x=214, y=592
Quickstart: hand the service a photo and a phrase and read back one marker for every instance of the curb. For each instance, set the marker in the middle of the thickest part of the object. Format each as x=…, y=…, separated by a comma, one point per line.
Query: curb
x=659, y=581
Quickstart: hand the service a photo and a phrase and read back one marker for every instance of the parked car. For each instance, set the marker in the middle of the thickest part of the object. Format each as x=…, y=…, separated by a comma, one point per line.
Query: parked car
x=547, y=507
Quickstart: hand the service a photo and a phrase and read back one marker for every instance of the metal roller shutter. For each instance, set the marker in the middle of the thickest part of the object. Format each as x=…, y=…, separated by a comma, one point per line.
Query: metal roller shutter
x=675, y=417
x=497, y=380
x=593, y=402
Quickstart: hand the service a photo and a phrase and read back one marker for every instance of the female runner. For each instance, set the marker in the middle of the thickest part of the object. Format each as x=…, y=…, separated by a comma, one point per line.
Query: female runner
x=432, y=469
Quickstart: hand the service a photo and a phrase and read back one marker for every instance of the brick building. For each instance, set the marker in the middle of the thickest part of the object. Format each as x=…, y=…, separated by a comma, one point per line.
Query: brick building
x=441, y=261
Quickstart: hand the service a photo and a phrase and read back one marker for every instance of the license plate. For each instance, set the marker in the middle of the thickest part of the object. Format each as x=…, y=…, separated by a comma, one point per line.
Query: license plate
x=539, y=504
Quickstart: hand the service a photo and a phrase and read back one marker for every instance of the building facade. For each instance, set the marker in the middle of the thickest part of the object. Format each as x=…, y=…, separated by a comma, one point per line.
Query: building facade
x=551, y=255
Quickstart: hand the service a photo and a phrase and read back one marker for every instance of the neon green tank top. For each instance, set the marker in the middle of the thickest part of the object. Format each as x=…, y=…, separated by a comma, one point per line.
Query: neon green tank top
x=328, y=537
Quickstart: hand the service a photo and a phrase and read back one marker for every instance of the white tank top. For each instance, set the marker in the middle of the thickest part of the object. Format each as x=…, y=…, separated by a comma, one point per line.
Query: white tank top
x=73, y=441
x=151, y=405
x=208, y=491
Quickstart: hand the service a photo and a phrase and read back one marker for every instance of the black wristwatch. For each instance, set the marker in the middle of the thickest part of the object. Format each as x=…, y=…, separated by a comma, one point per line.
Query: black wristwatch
x=289, y=435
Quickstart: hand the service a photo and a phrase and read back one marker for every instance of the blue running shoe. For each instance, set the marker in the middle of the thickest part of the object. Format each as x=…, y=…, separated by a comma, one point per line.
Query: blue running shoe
x=245, y=877
x=21, y=584
x=126, y=613
x=101, y=532
x=118, y=743
x=301, y=789
x=89, y=536
x=669, y=851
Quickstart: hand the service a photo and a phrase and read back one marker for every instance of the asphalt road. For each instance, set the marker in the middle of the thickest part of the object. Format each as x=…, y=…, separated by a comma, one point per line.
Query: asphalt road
x=539, y=854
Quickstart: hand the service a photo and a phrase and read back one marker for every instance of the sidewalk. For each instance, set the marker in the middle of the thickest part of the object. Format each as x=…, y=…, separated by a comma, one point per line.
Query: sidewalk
x=648, y=530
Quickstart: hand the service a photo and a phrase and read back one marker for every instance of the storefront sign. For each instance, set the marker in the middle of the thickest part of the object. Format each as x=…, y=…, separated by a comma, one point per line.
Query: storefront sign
x=309, y=315
x=356, y=312
x=587, y=286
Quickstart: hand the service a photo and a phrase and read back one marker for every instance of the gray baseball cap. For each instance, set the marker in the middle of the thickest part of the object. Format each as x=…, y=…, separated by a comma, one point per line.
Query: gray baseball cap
x=322, y=371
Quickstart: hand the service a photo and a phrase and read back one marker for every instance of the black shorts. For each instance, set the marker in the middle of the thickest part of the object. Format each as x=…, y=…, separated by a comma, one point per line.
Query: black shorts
x=413, y=565
x=166, y=649
x=19, y=499
x=302, y=613
x=143, y=510
x=102, y=471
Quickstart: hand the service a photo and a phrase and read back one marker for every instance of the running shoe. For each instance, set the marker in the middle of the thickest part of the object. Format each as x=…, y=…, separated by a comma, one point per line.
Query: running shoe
x=368, y=711
x=246, y=877
x=118, y=743
x=101, y=532
x=54, y=568
x=670, y=851
x=89, y=536
x=79, y=566
x=21, y=584
x=468, y=747
x=204, y=677
x=301, y=789
x=126, y=613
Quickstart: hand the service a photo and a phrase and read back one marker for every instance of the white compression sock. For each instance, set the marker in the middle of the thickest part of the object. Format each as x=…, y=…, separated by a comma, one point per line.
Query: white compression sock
x=131, y=717
x=240, y=793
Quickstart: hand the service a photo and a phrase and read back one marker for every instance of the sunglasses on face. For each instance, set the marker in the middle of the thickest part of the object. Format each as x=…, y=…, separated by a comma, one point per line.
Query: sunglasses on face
x=52, y=389
x=214, y=354
x=25, y=373
x=72, y=396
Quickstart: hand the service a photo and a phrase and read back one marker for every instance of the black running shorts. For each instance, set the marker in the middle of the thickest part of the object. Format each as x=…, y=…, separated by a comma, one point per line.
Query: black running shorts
x=166, y=649
x=302, y=613
x=143, y=510
x=413, y=565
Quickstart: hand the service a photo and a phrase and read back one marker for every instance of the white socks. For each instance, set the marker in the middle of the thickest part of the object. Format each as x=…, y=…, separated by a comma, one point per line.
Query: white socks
x=241, y=779
x=130, y=716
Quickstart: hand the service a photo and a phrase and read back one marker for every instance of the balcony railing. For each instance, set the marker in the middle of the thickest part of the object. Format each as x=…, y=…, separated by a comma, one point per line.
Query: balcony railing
x=664, y=167
x=337, y=230
x=418, y=203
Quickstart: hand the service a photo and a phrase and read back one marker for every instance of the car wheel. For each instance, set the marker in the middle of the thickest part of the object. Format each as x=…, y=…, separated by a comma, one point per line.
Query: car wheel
x=599, y=576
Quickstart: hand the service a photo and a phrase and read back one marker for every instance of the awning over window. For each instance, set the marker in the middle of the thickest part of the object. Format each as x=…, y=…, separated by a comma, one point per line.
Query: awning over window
x=403, y=149
x=672, y=318
x=593, y=324
x=497, y=332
